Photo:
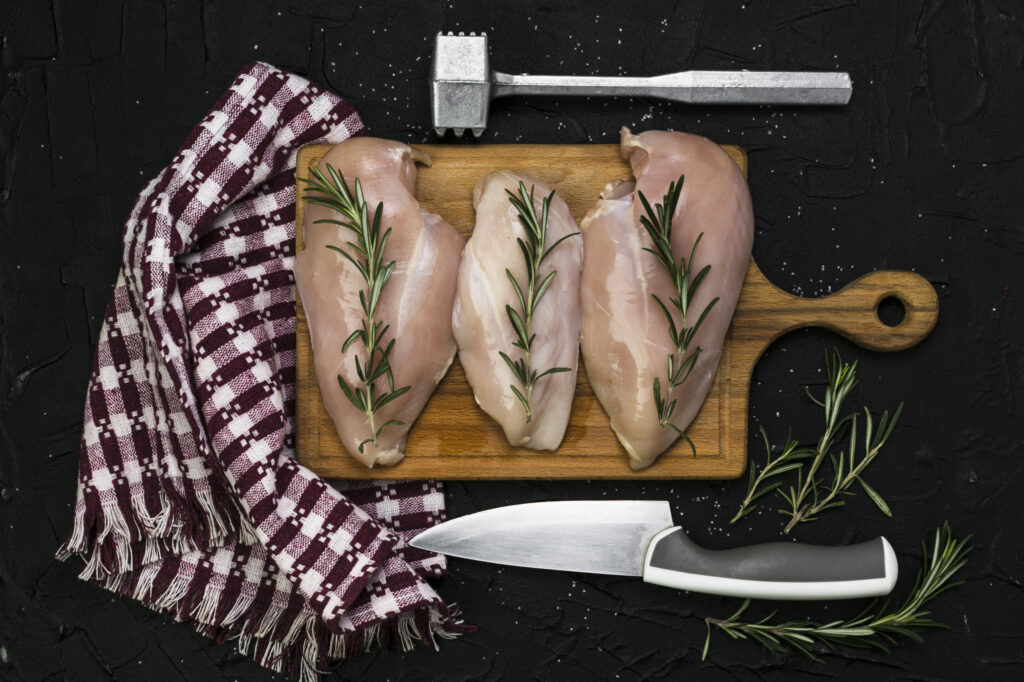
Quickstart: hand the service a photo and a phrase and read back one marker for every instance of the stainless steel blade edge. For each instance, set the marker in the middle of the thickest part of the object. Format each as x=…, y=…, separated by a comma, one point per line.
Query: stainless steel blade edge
x=606, y=536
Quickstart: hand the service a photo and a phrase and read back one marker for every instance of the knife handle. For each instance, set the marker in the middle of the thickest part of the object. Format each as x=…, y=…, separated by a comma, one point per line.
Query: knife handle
x=774, y=570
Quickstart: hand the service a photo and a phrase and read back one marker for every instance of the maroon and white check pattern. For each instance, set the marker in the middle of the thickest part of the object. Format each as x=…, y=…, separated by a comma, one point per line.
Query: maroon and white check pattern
x=189, y=498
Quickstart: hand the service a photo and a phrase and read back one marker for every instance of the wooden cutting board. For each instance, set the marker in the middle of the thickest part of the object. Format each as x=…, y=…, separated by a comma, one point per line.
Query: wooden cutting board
x=455, y=439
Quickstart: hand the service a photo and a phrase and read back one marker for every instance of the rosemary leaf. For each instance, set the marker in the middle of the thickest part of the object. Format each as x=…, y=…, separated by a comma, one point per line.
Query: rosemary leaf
x=387, y=398
x=875, y=497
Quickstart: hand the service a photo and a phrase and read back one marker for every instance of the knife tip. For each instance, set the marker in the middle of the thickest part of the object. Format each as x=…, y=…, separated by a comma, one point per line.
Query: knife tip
x=418, y=542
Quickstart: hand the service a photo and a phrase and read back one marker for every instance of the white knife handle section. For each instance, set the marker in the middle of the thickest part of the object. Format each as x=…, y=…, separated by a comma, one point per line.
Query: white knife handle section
x=775, y=570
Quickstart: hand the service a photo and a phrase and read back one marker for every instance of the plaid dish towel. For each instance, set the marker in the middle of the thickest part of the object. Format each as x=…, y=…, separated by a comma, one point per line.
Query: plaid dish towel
x=189, y=498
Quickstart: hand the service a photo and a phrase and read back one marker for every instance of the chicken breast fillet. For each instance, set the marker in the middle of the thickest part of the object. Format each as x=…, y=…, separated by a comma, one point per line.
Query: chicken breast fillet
x=481, y=323
x=416, y=301
x=625, y=339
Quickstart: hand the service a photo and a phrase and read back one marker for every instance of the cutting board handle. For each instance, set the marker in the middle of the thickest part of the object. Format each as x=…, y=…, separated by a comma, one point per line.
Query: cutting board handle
x=852, y=311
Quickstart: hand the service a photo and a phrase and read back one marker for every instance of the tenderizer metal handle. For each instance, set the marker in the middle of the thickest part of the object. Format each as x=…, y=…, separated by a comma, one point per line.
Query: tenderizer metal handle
x=692, y=87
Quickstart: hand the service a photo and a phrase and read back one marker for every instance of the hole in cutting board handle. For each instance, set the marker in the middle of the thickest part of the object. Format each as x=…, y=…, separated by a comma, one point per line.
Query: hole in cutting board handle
x=891, y=311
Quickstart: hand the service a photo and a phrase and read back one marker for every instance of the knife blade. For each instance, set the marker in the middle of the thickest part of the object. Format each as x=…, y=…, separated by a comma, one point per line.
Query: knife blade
x=639, y=538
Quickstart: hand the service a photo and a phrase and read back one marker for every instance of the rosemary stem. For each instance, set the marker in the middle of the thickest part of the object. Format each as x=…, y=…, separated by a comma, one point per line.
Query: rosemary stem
x=528, y=310
x=373, y=427
x=529, y=385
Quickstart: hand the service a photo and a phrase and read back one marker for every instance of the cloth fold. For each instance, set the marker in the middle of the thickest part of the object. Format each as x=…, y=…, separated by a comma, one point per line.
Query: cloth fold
x=189, y=498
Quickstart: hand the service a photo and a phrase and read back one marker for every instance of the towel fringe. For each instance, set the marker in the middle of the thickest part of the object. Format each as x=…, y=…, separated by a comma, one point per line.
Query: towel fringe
x=301, y=646
x=112, y=541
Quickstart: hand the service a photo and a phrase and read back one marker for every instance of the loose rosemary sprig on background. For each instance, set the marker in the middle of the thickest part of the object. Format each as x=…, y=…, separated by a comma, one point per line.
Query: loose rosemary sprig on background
x=813, y=493
x=812, y=496
x=871, y=628
x=658, y=223
x=367, y=255
x=529, y=296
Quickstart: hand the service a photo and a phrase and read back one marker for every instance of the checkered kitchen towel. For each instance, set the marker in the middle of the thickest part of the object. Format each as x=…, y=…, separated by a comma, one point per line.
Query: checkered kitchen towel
x=189, y=498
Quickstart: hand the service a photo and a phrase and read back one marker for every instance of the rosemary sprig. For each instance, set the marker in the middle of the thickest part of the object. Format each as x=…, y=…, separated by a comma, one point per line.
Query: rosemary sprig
x=658, y=223
x=366, y=253
x=871, y=628
x=530, y=295
x=787, y=460
x=812, y=495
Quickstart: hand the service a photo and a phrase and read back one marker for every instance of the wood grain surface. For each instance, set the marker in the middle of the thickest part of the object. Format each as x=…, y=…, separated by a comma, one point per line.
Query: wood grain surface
x=455, y=439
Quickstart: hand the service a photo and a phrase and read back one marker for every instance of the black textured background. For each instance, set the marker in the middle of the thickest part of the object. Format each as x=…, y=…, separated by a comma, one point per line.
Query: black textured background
x=923, y=170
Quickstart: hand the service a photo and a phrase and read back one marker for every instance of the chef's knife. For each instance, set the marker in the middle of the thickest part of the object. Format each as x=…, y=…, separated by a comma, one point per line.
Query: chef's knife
x=638, y=538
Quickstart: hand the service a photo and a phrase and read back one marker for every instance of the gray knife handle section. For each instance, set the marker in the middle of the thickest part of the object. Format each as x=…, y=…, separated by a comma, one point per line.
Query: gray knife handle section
x=775, y=570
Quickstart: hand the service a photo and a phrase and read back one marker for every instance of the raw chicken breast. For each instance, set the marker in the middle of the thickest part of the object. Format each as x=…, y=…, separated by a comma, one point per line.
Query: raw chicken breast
x=416, y=301
x=625, y=339
x=481, y=324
